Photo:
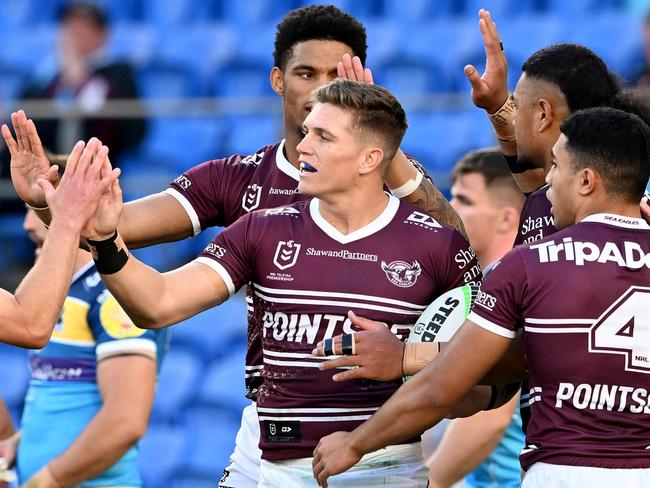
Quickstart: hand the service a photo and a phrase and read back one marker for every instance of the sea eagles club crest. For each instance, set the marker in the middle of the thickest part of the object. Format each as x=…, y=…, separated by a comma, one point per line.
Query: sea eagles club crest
x=286, y=254
x=251, y=199
x=401, y=273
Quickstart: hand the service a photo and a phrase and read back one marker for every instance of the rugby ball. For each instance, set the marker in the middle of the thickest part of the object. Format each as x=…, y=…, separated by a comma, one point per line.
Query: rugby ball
x=440, y=320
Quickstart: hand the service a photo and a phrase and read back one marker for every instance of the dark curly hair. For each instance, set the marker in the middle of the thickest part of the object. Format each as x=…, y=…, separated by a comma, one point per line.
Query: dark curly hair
x=321, y=22
x=577, y=71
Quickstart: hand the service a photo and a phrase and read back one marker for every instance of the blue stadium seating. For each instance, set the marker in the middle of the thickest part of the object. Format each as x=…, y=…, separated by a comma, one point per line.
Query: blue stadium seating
x=437, y=140
x=214, y=332
x=212, y=432
x=361, y=9
x=223, y=382
x=417, y=10
x=15, y=246
x=577, y=8
x=251, y=14
x=133, y=42
x=176, y=384
x=162, y=451
x=242, y=79
x=412, y=77
x=248, y=133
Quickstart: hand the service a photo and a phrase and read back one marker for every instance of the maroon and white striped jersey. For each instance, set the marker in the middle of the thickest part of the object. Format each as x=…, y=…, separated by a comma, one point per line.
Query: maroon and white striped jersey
x=536, y=221
x=582, y=297
x=306, y=276
x=218, y=192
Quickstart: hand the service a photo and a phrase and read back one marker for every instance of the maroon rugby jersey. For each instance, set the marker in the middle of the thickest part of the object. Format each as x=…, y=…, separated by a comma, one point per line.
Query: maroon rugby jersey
x=218, y=192
x=582, y=297
x=536, y=221
x=306, y=276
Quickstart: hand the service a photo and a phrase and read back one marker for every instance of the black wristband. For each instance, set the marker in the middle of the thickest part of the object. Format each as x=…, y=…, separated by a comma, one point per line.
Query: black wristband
x=108, y=259
x=517, y=166
x=493, y=398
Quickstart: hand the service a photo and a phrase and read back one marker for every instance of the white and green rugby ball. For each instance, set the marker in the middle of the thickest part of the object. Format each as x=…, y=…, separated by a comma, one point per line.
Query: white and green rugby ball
x=440, y=320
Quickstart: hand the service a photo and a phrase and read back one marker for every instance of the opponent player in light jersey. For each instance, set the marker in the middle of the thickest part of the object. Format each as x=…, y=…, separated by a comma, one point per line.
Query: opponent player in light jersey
x=91, y=388
x=581, y=298
x=309, y=264
x=28, y=316
x=313, y=45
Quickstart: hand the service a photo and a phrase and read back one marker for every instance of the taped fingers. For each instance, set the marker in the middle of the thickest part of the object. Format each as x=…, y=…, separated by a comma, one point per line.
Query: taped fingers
x=348, y=343
x=328, y=347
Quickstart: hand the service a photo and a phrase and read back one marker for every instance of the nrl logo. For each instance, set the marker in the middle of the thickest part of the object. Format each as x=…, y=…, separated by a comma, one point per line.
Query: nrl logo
x=272, y=429
x=401, y=273
x=251, y=199
x=286, y=254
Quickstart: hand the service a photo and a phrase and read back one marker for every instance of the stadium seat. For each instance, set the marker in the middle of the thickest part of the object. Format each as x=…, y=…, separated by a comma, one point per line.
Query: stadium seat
x=446, y=43
x=384, y=41
x=215, y=332
x=360, y=9
x=407, y=78
x=223, y=383
x=176, y=384
x=33, y=52
x=438, y=139
x=582, y=8
x=14, y=364
x=167, y=80
x=247, y=15
x=11, y=83
x=598, y=33
x=242, y=79
x=162, y=451
x=518, y=42
x=411, y=11
x=26, y=14
x=501, y=10
x=163, y=14
x=132, y=42
x=248, y=133
x=120, y=11
x=212, y=432
x=176, y=144
x=215, y=42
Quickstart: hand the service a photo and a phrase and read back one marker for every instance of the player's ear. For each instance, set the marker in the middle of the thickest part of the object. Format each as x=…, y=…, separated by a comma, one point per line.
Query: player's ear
x=373, y=159
x=545, y=114
x=277, y=81
x=588, y=179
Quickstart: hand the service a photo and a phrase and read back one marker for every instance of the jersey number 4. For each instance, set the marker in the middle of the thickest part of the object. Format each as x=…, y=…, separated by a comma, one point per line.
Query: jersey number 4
x=624, y=329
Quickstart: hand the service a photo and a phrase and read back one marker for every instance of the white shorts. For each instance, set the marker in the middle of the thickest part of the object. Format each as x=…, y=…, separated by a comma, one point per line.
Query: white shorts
x=244, y=468
x=544, y=475
x=395, y=466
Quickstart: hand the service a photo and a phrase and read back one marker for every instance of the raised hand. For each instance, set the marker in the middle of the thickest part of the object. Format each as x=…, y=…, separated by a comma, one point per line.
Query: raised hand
x=333, y=455
x=490, y=90
x=352, y=69
x=82, y=186
x=377, y=355
x=106, y=218
x=28, y=160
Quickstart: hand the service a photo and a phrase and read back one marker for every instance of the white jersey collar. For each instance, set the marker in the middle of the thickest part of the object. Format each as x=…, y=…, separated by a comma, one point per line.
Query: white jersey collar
x=617, y=221
x=375, y=226
x=283, y=163
x=82, y=270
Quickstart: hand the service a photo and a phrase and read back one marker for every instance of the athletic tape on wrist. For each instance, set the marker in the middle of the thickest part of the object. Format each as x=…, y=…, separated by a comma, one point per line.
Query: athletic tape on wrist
x=108, y=259
x=409, y=187
x=417, y=355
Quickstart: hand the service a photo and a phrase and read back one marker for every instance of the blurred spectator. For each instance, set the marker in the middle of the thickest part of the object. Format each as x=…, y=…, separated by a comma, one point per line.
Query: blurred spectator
x=483, y=449
x=84, y=78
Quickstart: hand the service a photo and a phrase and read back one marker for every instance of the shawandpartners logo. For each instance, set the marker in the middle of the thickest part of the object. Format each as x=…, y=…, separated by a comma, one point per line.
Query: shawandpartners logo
x=342, y=254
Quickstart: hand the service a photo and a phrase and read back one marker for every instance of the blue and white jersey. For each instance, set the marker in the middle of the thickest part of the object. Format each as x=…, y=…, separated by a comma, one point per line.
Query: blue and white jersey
x=63, y=394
